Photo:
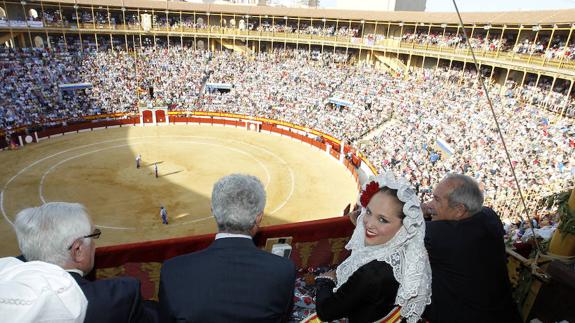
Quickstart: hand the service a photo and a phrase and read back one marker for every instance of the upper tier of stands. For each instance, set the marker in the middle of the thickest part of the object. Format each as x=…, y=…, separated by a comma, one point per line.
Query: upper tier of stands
x=543, y=37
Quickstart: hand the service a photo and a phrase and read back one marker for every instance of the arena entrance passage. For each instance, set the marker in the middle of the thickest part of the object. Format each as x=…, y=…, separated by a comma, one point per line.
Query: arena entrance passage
x=147, y=116
x=153, y=116
x=161, y=116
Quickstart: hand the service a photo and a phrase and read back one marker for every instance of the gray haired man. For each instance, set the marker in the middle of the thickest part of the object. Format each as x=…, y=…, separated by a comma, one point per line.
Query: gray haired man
x=62, y=234
x=466, y=251
x=232, y=280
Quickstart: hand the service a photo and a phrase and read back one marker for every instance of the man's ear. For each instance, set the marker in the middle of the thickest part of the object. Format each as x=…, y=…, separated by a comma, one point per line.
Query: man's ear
x=461, y=211
x=256, y=226
x=259, y=218
x=78, y=251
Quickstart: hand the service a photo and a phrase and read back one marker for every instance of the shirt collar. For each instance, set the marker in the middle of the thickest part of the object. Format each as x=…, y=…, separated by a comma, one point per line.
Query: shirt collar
x=77, y=271
x=223, y=235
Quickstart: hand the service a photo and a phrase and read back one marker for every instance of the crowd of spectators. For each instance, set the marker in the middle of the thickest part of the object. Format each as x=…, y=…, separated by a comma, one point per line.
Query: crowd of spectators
x=527, y=45
x=555, y=48
x=323, y=91
x=305, y=28
x=558, y=49
x=30, y=87
x=433, y=107
x=457, y=41
x=277, y=85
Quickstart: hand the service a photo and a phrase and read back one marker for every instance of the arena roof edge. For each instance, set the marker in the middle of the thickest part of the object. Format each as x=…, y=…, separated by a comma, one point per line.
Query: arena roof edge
x=508, y=17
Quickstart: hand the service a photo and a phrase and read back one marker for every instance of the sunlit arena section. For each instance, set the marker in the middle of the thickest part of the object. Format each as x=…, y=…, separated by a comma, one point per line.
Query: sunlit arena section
x=98, y=169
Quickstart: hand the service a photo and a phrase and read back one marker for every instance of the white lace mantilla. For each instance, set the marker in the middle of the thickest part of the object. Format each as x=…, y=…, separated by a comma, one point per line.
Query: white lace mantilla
x=405, y=252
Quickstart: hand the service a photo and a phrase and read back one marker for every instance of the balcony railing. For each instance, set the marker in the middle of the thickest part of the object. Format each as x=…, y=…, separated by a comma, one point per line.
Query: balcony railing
x=338, y=40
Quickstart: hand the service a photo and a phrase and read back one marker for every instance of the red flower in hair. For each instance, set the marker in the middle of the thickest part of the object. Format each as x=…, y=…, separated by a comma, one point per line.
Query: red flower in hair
x=369, y=192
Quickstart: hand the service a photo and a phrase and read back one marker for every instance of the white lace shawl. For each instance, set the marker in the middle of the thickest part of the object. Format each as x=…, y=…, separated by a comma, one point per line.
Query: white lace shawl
x=405, y=253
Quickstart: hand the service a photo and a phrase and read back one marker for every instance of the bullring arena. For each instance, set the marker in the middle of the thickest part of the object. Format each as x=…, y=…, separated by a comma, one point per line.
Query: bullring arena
x=97, y=168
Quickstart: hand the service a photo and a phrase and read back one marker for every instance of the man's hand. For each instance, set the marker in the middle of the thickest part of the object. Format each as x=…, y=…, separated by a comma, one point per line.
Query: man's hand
x=428, y=212
x=330, y=273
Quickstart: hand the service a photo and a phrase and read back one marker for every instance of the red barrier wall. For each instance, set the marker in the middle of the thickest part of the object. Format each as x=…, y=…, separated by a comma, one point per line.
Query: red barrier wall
x=325, y=233
x=315, y=244
x=86, y=125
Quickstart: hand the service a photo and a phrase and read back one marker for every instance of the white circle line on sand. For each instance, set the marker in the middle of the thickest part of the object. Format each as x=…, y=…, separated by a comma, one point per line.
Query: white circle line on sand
x=6, y=218
x=113, y=228
x=40, y=187
x=292, y=176
x=49, y=170
x=37, y=162
x=266, y=171
x=197, y=220
x=2, y=206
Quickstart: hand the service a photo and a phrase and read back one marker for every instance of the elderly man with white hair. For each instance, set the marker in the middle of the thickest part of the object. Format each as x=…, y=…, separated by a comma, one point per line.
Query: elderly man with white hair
x=466, y=250
x=62, y=234
x=232, y=280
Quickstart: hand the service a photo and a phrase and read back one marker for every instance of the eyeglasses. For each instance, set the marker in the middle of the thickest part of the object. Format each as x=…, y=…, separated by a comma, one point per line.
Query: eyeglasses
x=95, y=235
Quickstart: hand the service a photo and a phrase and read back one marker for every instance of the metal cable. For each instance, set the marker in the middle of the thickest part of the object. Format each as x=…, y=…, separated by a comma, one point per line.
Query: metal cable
x=507, y=154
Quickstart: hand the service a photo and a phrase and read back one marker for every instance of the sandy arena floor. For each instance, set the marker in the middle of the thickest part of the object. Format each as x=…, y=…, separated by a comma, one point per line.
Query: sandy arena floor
x=98, y=169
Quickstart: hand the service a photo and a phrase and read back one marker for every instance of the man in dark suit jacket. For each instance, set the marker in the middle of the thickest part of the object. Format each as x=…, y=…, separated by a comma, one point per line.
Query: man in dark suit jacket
x=466, y=251
x=232, y=280
x=63, y=234
x=116, y=300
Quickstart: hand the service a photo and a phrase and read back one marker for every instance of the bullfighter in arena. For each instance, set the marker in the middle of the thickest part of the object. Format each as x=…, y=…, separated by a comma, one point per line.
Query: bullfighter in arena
x=164, y=215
